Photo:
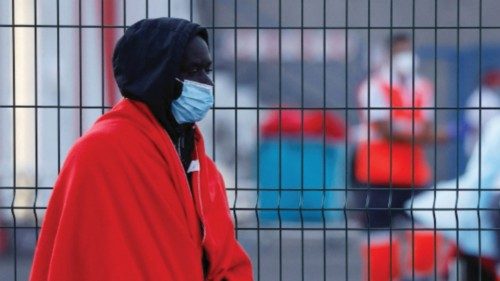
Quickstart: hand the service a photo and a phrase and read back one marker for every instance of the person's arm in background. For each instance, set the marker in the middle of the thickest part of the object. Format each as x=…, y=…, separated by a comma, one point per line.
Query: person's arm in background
x=425, y=136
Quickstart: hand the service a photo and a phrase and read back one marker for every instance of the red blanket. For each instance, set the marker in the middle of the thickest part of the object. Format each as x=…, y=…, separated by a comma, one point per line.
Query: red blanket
x=122, y=209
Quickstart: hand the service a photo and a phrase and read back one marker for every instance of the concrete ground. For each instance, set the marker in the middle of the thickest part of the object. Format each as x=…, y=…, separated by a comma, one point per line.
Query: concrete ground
x=318, y=248
x=310, y=255
x=294, y=253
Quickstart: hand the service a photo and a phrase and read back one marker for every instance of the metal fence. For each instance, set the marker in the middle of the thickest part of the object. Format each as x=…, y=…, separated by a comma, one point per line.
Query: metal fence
x=285, y=128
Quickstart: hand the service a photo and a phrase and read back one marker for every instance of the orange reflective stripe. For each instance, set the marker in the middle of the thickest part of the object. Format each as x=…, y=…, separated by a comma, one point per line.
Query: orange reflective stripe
x=408, y=164
x=395, y=100
x=423, y=247
x=383, y=257
x=399, y=163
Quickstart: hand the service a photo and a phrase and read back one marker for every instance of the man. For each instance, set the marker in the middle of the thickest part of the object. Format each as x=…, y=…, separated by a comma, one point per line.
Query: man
x=137, y=198
x=469, y=204
x=390, y=158
x=488, y=92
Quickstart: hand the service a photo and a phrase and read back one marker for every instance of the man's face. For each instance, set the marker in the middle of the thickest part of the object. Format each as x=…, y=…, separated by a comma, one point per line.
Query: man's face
x=401, y=47
x=196, y=64
x=403, y=61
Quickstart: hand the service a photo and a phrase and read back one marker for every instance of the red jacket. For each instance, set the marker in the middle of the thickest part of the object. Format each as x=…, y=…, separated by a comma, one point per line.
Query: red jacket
x=381, y=161
x=122, y=209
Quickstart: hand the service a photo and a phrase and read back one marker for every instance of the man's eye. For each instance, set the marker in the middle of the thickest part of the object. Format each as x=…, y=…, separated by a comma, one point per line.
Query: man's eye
x=209, y=70
x=194, y=70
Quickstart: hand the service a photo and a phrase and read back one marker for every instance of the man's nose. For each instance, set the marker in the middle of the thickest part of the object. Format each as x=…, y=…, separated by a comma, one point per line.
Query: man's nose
x=207, y=80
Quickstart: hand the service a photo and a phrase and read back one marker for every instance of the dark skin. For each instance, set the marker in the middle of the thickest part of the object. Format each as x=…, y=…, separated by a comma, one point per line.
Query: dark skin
x=196, y=65
x=197, y=62
x=427, y=135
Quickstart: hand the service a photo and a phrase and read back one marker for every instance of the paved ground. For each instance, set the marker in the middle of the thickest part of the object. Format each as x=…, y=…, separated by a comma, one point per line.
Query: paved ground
x=304, y=256
x=311, y=254
x=317, y=249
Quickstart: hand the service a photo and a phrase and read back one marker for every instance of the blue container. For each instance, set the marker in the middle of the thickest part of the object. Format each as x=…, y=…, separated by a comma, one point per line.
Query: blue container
x=309, y=171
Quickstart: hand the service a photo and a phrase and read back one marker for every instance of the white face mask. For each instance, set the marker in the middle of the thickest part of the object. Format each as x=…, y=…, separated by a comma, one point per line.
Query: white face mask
x=402, y=63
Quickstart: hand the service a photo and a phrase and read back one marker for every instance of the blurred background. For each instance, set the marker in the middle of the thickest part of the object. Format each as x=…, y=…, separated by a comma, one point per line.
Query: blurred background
x=286, y=75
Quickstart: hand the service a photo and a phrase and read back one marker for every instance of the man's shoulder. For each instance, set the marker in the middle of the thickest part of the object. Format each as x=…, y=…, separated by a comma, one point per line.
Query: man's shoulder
x=92, y=147
x=120, y=126
x=372, y=83
x=424, y=83
x=105, y=138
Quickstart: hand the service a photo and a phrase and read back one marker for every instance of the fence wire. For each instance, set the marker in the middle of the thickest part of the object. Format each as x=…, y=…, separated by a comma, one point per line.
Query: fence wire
x=286, y=127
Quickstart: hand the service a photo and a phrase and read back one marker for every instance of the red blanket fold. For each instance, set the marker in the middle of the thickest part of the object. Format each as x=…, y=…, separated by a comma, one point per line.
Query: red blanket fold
x=122, y=209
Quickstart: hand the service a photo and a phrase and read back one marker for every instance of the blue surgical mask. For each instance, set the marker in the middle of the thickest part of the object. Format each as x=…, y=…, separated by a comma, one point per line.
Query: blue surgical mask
x=193, y=104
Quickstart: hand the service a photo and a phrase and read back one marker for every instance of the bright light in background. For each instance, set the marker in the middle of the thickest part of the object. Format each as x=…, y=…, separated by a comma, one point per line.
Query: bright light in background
x=57, y=51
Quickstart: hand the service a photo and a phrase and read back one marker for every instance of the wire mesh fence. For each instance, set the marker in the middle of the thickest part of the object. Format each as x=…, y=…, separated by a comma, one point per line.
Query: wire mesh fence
x=357, y=138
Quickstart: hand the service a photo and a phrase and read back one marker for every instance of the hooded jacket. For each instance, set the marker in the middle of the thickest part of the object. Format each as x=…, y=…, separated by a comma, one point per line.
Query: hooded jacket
x=122, y=207
x=146, y=63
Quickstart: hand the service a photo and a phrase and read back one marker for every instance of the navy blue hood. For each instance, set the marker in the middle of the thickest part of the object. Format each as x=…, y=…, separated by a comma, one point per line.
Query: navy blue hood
x=146, y=61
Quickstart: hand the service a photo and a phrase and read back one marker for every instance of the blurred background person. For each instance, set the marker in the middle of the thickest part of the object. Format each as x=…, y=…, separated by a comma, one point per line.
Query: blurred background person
x=472, y=209
x=389, y=162
x=488, y=92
